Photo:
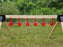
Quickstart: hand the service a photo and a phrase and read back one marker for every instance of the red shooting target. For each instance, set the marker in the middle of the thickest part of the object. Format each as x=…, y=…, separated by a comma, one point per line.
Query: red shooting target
x=11, y=24
x=19, y=24
x=51, y=24
x=27, y=24
x=35, y=24
x=43, y=23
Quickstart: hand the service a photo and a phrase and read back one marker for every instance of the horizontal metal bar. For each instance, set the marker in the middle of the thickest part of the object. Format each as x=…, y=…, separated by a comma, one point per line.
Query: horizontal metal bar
x=31, y=16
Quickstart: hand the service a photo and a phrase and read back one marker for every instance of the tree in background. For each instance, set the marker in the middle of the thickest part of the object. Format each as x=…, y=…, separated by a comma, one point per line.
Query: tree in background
x=35, y=7
x=40, y=7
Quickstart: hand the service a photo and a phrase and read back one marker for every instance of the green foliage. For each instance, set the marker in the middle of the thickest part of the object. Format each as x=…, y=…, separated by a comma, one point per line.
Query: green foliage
x=8, y=8
x=40, y=7
x=32, y=7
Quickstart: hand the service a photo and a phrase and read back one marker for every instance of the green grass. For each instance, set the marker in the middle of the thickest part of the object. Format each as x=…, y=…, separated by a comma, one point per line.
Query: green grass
x=31, y=36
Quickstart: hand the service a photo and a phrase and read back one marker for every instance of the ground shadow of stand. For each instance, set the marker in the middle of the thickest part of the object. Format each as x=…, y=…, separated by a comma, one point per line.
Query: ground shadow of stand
x=6, y=25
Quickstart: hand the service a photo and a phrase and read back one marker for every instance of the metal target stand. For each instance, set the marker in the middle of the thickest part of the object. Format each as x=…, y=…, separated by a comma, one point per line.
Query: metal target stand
x=59, y=20
x=3, y=20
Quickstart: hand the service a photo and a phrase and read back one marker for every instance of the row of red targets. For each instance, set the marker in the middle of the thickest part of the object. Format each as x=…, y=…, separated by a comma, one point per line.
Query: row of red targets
x=35, y=23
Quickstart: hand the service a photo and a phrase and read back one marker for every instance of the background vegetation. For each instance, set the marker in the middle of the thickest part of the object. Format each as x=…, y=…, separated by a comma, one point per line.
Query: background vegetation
x=31, y=7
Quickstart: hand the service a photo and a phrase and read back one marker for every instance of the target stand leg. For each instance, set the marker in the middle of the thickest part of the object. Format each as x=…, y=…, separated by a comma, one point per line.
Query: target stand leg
x=0, y=25
x=53, y=29
x=5, y=23
x=62, y=26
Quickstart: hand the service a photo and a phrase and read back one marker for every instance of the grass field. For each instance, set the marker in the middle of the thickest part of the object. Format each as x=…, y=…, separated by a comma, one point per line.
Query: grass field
x=31, y=36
